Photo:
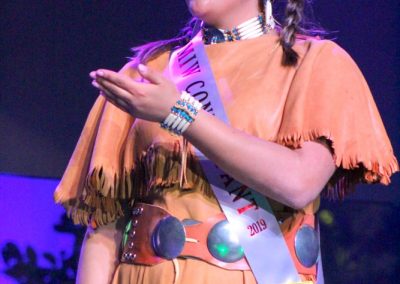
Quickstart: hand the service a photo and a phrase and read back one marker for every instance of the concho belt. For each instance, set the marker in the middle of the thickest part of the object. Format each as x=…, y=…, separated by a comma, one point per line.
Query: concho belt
x=153, y=235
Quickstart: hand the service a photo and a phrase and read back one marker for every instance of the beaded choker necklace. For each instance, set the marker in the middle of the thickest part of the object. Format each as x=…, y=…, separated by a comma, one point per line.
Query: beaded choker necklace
x=251, y=28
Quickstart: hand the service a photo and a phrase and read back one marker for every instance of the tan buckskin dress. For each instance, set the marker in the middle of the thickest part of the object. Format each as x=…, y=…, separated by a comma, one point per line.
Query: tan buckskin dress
x=119, y=159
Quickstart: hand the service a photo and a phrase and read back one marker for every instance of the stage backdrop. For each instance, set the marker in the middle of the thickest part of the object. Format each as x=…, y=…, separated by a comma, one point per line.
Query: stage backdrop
x=47, y=49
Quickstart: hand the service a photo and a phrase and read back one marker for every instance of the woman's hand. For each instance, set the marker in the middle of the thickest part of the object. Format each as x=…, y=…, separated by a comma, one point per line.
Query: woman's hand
x=151, y=100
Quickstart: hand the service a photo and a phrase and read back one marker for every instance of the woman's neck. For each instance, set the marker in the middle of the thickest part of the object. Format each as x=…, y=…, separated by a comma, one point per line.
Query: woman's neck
x=235, y=16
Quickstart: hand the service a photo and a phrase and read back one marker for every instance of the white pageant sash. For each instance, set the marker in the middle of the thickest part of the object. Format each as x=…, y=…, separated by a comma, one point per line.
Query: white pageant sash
x=246, y=209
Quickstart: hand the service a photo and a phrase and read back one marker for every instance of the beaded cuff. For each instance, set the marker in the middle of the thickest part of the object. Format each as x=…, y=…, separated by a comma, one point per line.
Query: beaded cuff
x=182, y=114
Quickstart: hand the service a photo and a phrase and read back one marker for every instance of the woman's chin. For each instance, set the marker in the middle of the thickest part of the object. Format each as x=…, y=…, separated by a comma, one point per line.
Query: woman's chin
x=200, y=8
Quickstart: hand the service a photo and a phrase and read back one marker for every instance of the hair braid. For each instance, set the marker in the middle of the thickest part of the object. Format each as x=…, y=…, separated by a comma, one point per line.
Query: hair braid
x=294, y=15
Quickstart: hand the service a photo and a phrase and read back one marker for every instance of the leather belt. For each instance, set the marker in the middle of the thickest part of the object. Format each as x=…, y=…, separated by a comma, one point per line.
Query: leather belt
x=153, y=236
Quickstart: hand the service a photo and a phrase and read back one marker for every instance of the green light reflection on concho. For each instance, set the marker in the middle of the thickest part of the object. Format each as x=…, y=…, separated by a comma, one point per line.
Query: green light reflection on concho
x=126, y=233
x=223, y=250
x=223, y=242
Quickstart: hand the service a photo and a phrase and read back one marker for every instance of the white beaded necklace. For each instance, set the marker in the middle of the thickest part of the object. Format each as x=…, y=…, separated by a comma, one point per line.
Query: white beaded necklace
x=251, y=28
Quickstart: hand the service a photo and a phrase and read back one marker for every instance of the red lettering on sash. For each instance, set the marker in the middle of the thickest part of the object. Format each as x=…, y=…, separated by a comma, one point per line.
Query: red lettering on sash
x=242, y=192
x=248, y=206
x=257, y=227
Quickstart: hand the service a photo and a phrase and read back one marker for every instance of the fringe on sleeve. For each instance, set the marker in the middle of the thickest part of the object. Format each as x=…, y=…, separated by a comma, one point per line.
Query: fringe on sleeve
x=337, y=104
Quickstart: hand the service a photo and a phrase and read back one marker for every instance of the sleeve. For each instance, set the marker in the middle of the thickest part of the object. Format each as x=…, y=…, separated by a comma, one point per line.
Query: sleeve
x=98, y=180
x=93, y=185
x=329, y=98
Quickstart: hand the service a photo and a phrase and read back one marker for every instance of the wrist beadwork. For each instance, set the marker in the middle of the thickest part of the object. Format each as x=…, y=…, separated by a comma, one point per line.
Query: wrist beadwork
x=182, y=114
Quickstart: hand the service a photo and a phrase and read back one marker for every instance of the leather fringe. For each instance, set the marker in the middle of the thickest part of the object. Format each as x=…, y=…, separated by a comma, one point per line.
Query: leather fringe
x=161, y=167
x=353, y=168
x=156, y=170
x=94, y=208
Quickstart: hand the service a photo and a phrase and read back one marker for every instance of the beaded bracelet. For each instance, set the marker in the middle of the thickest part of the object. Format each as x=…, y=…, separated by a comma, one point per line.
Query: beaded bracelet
x=182, y=114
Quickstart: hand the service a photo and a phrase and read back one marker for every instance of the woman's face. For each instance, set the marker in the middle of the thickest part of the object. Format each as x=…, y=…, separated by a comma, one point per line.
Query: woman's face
x=215, y=11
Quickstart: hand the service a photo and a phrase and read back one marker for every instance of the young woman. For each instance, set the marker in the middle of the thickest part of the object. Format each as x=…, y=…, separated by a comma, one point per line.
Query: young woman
x=299, y=118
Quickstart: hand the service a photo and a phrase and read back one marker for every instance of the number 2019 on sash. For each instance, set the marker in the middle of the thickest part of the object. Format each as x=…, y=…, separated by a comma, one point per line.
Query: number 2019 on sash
x=257, y=227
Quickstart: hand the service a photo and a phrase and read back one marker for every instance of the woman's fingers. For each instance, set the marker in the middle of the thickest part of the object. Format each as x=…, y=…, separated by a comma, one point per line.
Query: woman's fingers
x=116, y=90
x=125, y=82
x=150, y=101
x=116, y=100
x=119, y=80
x=150, y=75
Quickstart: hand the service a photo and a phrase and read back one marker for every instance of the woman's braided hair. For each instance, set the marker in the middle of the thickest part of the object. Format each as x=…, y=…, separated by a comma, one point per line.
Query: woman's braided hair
x=290, y=28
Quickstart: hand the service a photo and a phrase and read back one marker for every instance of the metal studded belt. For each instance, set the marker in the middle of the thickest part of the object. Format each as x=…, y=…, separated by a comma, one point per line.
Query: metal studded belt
x=153, y=236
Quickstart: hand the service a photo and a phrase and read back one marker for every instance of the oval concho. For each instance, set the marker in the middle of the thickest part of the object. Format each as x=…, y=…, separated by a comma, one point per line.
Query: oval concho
x=306, y=245
x=223, y=243
x=168, y=238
